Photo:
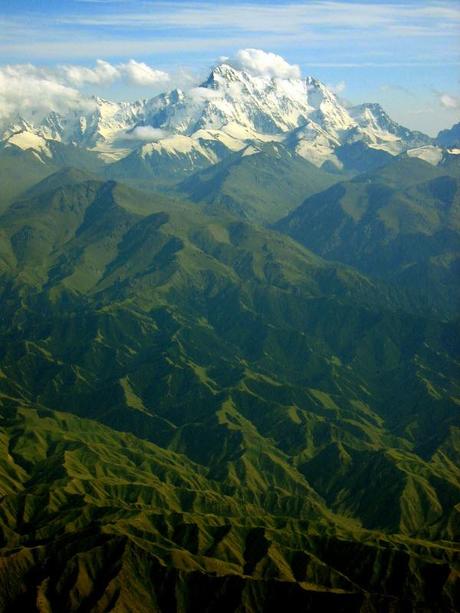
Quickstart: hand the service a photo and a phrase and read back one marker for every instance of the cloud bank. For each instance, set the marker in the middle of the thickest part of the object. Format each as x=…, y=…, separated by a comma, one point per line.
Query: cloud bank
x=139, y=73
x=135, y=73
x=26, y=89
x=264, y=63
x=26, y=93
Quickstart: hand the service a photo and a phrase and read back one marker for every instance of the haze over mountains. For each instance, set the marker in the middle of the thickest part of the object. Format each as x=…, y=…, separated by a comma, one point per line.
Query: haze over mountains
x=229, y=355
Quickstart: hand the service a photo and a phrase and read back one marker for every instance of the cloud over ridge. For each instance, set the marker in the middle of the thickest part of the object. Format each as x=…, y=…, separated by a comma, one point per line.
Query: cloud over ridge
x=145, y=133
x=264, y=63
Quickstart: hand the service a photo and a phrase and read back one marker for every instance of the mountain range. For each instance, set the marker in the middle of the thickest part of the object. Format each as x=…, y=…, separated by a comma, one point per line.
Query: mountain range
x=228, y=111
x=229, y=355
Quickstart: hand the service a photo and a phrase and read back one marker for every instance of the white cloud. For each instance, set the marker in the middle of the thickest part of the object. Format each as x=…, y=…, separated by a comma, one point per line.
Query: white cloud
x=338, y=28
x=202, y=94
x=25, y=92
x=145, y=133
x=263, y=63
x=29, y=90
x=449, y=102
x=137, y=73
x=141, y=74
x=277, y=16
x=103, y=72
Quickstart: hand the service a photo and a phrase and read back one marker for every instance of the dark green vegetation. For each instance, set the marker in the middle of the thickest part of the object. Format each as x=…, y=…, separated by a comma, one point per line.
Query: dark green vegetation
x=247, y=184
x=400, y=223
x=21, y=169
x=200, y=414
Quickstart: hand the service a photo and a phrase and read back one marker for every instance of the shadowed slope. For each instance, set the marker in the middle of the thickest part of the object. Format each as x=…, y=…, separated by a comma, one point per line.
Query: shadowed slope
x=400, y=223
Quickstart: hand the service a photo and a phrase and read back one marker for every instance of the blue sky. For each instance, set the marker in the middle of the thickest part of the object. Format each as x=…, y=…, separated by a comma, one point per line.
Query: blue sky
x=405, y=55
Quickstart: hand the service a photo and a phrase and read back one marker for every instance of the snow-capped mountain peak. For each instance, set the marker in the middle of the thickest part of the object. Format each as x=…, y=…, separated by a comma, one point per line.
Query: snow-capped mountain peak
x=233, y=108
x=222, y=75
x=372, y=115
x=327, y=111
x=378, y=129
